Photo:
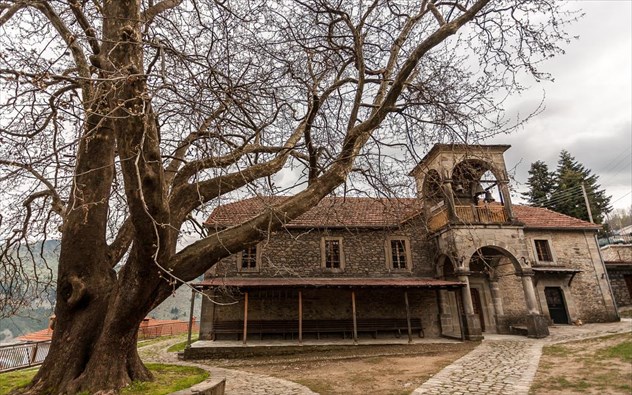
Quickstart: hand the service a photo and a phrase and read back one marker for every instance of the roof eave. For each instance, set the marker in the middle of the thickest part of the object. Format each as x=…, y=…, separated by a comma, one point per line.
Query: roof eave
x=573, y=228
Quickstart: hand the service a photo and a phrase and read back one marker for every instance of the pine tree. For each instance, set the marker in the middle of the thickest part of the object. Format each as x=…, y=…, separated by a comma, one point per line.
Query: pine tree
x=541, y=184
x=567, y=197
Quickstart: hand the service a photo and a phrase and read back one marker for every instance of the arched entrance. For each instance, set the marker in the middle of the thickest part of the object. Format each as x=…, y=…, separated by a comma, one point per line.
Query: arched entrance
x=501, y=295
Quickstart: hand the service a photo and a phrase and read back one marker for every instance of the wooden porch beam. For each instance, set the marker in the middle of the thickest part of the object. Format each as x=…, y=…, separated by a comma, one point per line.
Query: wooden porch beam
x=245, y=317
x=191, y=317
x=300, y=318
x=410, y=330
x=355, y=320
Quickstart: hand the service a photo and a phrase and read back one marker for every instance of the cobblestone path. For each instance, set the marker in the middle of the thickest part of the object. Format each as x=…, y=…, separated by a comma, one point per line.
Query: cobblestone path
x=237, y=382
x=507, y=364
x=495, y=367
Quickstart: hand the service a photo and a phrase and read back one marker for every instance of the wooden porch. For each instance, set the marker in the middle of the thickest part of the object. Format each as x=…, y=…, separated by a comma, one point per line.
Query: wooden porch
x=345, y=326
x=468, y=215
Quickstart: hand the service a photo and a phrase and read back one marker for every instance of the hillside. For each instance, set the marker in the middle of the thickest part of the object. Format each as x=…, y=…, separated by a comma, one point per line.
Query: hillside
x=34, y=318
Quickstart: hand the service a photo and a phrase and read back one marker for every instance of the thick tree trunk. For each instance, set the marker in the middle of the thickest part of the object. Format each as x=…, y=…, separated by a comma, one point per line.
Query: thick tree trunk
x=76, y=366
x=94, y=342
x=99, y=311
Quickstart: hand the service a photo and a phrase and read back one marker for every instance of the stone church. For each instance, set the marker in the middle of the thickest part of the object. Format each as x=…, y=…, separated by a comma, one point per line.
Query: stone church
x=460, y=260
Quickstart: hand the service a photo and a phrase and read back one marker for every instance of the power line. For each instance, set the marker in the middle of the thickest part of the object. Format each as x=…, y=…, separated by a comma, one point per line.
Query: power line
x=572, y=191
x=616, y=158
x=622, y=197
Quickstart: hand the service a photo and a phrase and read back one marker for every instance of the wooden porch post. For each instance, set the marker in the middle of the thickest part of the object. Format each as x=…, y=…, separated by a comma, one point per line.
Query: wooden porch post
x=300, y=318
x=245, y=316
x=191, y=317
x=410, y=331
x=355, y=321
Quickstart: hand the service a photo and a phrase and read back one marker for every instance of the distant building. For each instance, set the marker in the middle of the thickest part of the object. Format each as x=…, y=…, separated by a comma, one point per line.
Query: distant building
x=458, y=260
x=625, y=231
x=618, y=260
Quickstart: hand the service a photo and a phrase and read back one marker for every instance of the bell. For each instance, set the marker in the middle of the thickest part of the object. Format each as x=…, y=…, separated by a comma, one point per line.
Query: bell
x=488, y=197
x=477, y=188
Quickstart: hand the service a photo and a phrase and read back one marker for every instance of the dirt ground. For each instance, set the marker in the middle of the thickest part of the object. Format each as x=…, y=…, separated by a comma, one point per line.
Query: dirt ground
x=585, y=367
x=363, y=370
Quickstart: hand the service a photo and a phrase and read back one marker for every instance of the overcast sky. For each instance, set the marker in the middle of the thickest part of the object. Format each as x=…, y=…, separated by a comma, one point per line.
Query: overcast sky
x=588, y=106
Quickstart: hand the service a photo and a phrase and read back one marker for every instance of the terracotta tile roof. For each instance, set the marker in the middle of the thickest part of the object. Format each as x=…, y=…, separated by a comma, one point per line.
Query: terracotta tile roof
x=331, y=212
x=39, y=336
x=617, y=253
x=258, y=282
x=542, y=218
x=363, y=212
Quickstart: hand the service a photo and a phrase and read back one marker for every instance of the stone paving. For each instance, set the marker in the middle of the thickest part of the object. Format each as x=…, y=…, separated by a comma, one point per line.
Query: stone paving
x=507, y=364
x=494, y=367
x=500, y=365
x=237, y=382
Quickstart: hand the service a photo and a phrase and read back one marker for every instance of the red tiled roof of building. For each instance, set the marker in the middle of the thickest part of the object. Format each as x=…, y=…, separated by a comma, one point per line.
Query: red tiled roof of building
x=47, y=334
x=363, y=212
x=331, y=212
x=39, y=336
x=542, y=218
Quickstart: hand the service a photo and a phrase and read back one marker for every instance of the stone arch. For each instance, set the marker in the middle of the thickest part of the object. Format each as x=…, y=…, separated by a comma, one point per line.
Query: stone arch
x=466, y=178
x=431, y=189
x=494, y=249
x=445, y=266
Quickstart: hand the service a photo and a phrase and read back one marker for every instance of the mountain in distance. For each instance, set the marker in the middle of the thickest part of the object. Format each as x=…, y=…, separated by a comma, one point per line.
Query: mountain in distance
x=35, y=317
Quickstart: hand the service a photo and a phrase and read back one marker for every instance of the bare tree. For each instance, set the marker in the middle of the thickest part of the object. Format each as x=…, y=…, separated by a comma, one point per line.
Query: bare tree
x=121, y=120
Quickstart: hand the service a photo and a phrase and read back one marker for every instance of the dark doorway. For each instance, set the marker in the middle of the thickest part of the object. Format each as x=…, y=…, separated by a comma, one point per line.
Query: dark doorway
x=557, y=307
x=478, y=307
x=628, y=283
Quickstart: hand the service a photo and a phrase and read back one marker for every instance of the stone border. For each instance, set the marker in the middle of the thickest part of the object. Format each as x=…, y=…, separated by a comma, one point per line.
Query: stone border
x=212, y=386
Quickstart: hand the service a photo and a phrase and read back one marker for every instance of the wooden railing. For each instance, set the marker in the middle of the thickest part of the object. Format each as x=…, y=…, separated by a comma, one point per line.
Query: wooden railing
x=469, y=215
x=438, y=219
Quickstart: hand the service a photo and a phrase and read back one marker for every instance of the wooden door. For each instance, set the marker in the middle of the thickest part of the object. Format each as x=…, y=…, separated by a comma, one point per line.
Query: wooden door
x=478, y=306
x=556, y=304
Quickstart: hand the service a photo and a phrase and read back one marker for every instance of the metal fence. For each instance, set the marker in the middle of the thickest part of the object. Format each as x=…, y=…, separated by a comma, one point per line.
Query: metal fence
x=23, y=355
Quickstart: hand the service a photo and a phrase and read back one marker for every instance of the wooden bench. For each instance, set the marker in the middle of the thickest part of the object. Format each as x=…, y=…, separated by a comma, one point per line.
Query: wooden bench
x=290, y=327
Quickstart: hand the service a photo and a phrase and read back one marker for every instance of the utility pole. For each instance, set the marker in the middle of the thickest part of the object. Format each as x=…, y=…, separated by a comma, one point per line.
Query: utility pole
x=587, y=204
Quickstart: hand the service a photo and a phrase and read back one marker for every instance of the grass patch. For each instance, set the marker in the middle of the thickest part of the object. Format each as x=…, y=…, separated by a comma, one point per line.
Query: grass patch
x=556, y=351
x=182, y=345
x=149, y=342
x=623, y=351
x=625, y=314
x=16, y=379
x=318, y=386
x=599, y=365
x=168, y=379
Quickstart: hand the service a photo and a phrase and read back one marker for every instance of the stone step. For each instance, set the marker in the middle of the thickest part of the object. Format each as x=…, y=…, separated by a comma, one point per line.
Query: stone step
x=518, y=330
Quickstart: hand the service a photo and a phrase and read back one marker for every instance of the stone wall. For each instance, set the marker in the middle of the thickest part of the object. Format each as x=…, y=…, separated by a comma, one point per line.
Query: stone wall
x=297, y=253
x=618, y=260
x=588, y=297
x=617, y=275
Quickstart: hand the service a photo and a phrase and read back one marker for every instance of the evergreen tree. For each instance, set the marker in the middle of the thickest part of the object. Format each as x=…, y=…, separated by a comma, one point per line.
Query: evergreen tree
x=567, y=197
x=541, y=184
